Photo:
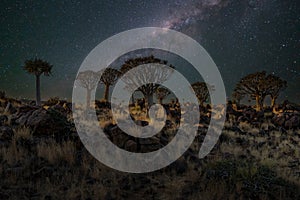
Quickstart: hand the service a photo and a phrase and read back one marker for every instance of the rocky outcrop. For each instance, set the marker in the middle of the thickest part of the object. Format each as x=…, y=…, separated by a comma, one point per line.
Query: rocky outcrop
x=6, y=134
x=130, y=143
x=52, y=121
x=3, y=119
x=287, y=120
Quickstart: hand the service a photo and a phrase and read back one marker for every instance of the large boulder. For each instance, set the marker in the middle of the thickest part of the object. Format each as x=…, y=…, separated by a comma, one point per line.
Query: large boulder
x=293, y=122
x=3, y=119
x=22, y=114
x=287, y=120
x=279, y=119
x=130, y=143
x=44, y=122
x=6, y=133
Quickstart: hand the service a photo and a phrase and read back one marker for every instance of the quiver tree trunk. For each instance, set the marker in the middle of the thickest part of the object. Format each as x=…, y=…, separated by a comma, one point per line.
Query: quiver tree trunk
x=88, y=101
x=106, y=93
x=273, y=101
x=258, y=102
x=38, y=90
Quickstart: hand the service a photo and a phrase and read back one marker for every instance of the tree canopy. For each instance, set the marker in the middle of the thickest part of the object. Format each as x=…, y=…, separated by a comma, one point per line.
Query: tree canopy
x=109, y=77
x=152, y=72
x=161, y=93
x=38, y=67
x=259, y=85
x=202, y=91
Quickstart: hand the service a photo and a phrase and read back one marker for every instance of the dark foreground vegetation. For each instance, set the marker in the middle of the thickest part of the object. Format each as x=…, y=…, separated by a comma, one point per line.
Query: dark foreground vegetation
x=257, y=155
x=42, y=157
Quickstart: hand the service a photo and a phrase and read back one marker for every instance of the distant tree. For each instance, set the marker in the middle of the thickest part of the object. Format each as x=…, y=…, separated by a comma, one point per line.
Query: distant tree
x=202, y=91
x=37, y=67
x=276, y=85
x=152, y=73
x=259, y=85
x=108, y=78
x=254, y=85
x=88, y=80
x=161, y=93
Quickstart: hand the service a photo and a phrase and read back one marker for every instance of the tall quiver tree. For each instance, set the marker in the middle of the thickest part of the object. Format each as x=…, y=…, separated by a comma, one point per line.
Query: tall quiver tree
x=276, y=85
x=255, y=86
x=151, y=73
x=108, y=78
x=89, y=80
x=38, y=67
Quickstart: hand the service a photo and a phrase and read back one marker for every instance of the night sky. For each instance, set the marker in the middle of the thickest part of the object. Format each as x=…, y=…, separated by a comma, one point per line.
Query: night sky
x=241, y=36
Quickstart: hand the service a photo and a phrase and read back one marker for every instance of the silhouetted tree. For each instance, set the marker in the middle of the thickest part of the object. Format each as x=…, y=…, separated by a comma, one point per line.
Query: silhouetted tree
x=201, y=91
x=255, y=86
x=88, y=80
x=259, y=85
x=161, y=93
x=151, y=73
x=37, y=67
x=276, y=85
x=108, y=78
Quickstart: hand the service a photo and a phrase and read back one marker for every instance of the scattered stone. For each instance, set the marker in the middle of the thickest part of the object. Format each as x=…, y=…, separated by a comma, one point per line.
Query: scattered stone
x=131, y=146
x=6, y=133
x=3, y=119
x=180, y=166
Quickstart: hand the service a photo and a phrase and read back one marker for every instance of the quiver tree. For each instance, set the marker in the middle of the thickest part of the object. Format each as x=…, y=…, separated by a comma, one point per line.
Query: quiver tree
x=254, y=85
x=109, y=77
x=161, y=93
x=37, y=67
x=276, y=85
x=89, y=80
x=259, y=85
x=152, y=72
x=202, y=91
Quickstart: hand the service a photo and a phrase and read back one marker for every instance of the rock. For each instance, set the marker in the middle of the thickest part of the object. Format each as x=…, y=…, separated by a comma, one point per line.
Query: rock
x=9, y=108
x=124, y=183
x=3, y=119
x=130, y=146
x=43, y=122
x=292, y=123
x=141, y=123
x=180, y=166
x=279, y=120
x=27, y=108
x=6, y=133
x=58, y=108
x=37, y=117
x=117, y=136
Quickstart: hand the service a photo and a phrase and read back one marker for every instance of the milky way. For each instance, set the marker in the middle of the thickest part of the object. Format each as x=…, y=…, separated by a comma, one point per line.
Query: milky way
x=242, y=37
x=185, y=13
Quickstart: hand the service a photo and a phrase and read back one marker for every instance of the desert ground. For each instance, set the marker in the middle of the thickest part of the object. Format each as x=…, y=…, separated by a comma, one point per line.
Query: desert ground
x=42, y=157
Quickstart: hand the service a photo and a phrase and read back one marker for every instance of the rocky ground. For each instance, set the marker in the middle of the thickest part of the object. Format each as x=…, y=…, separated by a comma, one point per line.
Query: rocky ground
x=42, y=157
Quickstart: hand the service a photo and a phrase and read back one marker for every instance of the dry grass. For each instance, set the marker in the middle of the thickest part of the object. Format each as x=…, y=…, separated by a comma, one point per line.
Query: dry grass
x=88, y=178
x=22, y=132
x=11, y=154
x=54, y=152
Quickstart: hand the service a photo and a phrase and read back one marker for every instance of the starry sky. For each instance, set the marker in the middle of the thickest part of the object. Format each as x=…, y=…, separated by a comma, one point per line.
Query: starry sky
x=242, y=37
